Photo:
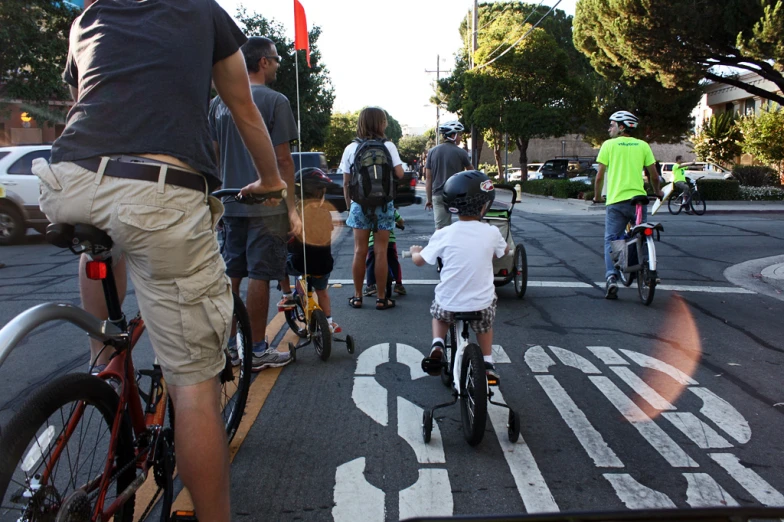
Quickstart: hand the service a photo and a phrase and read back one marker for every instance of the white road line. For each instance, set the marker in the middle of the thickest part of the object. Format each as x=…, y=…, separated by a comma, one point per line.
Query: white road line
x=636, y=496
x=527, y=476
x=656, y=364
x=412, y=358
x=703, y=491
x=650, y=431
x=700, y=433
x=538, y=360
x=371, y=398
x=590, y=439
x=578, y=284
x=429, y=496
x=751, y=482
x=558, y=284
x=724, y=415
x=570, y=358
x=693, y=288
x=642, y=389
x=354, y=497
x=499, y=355
x=409, y=427
x=607, y=355
x=370, y=359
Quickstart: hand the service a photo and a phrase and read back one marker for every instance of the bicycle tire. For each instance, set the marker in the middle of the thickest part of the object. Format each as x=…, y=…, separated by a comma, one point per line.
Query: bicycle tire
x=295, y=318
x=322, y=335
x=646, y=284
x=697, y=203
x=473, y=397
x=675, y=204
x=234, y=392
x=450, y=349
x=36, y=423
x=521, y=271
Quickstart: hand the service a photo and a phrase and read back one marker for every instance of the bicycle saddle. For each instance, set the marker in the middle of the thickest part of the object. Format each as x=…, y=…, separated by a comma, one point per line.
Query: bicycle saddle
x=639, y=199
x=468, y=316
x=71, y=236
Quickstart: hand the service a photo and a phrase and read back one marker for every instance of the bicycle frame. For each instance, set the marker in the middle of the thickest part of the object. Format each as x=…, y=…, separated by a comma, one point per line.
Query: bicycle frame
x=305, y=293
x=462, y=342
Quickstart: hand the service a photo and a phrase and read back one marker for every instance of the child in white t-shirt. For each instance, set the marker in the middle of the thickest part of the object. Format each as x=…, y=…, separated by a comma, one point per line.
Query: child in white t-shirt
x=466, y=248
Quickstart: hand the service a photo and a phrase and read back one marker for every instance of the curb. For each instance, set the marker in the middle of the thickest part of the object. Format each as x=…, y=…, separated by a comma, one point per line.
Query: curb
x=589, y=205
x=774, y=275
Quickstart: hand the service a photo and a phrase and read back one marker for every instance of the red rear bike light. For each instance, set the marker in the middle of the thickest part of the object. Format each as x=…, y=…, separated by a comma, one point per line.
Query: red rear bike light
x=503, y=272
x=413, y=182
x=648, y=231
x=96, y=270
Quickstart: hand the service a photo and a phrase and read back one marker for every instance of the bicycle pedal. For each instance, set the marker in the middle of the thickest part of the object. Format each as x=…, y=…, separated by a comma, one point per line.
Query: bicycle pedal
x=184, y=516
x=432, y=366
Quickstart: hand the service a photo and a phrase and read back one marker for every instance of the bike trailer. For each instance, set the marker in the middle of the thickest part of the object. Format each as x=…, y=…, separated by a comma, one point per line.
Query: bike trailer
x=500, y=215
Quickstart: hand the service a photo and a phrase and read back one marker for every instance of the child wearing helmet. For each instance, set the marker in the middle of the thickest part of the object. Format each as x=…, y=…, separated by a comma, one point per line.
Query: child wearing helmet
x=311, y=251
x=466, y=248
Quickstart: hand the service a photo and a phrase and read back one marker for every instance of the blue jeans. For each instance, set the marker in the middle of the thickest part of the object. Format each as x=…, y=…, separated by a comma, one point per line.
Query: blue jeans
x=615, y=220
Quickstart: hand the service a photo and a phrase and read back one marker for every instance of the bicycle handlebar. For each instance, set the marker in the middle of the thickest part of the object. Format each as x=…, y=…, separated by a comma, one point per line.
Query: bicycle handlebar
x=251, y=198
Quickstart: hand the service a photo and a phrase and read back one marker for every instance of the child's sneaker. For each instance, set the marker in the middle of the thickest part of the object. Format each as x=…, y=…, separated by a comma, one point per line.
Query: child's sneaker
x=335, y=327
x=400, y=289
x=492, y=374
x=287, y=302
x=370, y=290
x=432, y=364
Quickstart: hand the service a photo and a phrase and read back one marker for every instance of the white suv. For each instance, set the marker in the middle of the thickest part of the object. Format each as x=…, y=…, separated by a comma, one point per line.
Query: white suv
x=19, y=208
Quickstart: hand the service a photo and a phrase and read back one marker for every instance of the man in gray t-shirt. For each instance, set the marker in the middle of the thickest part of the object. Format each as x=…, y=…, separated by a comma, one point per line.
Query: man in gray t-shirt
x=256, y=235
x=443, y=161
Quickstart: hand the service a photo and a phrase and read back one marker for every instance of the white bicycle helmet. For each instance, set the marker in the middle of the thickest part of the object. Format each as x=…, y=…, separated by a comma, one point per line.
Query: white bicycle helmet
x=450, y=127
x=626, y=118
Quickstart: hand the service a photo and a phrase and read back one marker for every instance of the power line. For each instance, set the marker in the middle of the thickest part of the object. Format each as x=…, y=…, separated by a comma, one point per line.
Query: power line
x=524, y=21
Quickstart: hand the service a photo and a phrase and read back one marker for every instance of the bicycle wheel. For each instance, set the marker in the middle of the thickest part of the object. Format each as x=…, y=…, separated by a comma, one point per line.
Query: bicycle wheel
x=473, y=399
x=521, y=271
x=450, y=349
x=675, y=204
x=235, y=384
x=53, y=453
x=295, y=318
x=646, y=280
x=322, y=335
x=697, y=203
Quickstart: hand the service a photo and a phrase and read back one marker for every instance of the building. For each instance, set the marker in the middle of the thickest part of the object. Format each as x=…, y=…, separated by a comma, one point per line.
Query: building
x=23, y=124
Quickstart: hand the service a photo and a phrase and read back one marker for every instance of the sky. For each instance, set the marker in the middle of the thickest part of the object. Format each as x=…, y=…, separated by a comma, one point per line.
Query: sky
x=408, y=36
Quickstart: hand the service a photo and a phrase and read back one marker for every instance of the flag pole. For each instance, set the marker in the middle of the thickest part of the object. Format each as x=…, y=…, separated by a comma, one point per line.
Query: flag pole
x=299, y=150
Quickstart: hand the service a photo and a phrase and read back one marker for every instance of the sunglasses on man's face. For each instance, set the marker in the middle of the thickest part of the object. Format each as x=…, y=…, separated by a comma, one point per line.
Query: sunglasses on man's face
x=276, y=57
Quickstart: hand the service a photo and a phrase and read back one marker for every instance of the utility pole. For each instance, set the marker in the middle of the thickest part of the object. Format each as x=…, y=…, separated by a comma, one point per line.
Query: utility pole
x=474, y=133
x=438, y=106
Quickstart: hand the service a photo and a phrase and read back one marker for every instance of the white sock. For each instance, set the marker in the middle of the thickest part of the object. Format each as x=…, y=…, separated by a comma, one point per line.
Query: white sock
x=438, y=340
x=488, y=358
x=329, y=319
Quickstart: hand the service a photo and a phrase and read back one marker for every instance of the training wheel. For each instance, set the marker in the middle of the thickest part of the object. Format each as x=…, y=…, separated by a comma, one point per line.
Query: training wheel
x=350, y=344
x=427, y=425
x=513, y=426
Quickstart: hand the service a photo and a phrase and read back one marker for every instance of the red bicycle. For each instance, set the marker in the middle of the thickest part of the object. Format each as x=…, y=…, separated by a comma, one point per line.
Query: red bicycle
x=82, y=445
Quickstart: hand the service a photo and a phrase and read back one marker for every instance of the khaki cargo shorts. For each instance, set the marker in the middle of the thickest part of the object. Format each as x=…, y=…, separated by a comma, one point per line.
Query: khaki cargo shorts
x=167, y=234
x=441, y=215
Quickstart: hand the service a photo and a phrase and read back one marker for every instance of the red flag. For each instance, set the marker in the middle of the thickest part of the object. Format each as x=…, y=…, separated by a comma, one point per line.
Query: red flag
x=301, y=30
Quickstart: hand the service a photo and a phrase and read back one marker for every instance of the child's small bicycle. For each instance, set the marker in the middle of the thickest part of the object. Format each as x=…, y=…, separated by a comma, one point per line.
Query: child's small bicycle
x=309, y=322
x=472, y=386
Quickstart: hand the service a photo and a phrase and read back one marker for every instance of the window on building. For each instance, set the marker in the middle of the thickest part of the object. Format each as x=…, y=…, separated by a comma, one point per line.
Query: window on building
x=750, y=108
x=729, y=107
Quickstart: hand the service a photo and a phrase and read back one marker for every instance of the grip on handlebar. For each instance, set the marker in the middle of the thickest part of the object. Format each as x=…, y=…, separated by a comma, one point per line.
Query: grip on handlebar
x=406, y=253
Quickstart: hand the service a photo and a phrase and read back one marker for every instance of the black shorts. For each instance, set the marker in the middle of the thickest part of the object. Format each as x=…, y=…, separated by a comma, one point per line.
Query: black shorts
x=255, y=247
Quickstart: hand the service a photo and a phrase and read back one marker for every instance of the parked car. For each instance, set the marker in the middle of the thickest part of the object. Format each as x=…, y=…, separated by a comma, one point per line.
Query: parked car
x=514, y=174
x=565, y=168
x=19, y=208
x=535, y=170
x=406, y=186
x=700, y=168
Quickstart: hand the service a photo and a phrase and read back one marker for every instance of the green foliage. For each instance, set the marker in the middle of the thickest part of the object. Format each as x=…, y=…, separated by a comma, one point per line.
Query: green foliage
x=719, y=189
x=430, y=135
x=755, y=176
x=762, y=136
x=341, y=131
x=411, y=148
x=588, y=195
x=34, y=36
x=652, y=39
x=558, y=188
x=394, y=131
x=719, y=139
x=315, y=87
x=491, y=169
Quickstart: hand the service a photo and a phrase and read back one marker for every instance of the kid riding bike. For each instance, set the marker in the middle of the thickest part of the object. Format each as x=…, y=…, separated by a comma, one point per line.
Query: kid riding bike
x=466, y=292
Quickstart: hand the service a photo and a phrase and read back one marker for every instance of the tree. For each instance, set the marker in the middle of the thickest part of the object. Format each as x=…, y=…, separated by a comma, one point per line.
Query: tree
x=316, y=92
x=659, y=39
x=762, y=137
x=719, y=139
x=394, y=131
x=33, y=54
x=342, y=130
x=411, y=148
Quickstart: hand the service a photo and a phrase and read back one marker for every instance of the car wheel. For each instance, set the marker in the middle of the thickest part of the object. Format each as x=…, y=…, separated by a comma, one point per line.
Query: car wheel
x=12, y=226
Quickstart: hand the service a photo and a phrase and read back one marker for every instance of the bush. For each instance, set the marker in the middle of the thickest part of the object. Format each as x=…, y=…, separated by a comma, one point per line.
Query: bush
x=558, y=188
x=588, y=195
x=761, y=193
x=719, y=189
x=491, y=169
x=755, y=175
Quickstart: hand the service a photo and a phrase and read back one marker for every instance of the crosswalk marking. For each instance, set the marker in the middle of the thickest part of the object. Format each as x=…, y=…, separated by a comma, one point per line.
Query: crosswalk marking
x=570, y=358
x=607, y=355
x=499, y=355
x=409, y=427
x=636, y=496
x=723, y=415
x=371, y=398
x=412, y=358
x=655, y=364
x=642, y=388
x=372, y=358
x=700, y=433
x=354, y=497
x=590, y=439
x=538, y=360
x=750, y=480
x=649, y=430
x=429, y=496
x=703, y=491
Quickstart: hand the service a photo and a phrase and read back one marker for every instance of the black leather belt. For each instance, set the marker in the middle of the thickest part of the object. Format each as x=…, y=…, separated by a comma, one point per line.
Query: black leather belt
x=146, y=172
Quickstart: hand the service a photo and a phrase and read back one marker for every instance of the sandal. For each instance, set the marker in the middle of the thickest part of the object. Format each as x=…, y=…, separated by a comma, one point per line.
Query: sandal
x=383, y=304
x=355, y=302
